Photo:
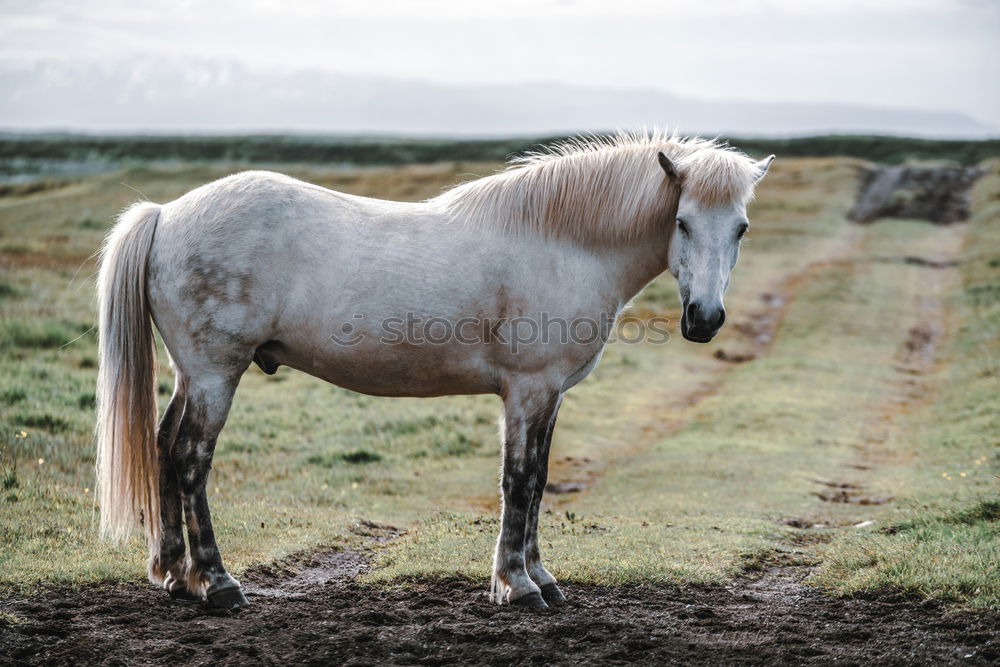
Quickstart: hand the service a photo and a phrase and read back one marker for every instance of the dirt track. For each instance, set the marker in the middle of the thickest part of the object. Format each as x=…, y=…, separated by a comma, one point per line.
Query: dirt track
x=312, y=610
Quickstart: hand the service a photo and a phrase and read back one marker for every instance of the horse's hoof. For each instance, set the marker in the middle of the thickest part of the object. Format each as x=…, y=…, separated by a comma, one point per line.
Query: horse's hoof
x=552, y=595
x=531, y=601
x=231, y=598
x=183, y=594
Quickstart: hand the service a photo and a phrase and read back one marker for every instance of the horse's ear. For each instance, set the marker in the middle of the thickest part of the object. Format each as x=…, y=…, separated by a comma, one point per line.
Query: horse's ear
x=667, y=165
x=762, y=166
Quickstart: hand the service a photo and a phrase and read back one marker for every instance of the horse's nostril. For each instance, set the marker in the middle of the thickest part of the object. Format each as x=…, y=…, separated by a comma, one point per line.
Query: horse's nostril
x=711, y=318
x=692, y=312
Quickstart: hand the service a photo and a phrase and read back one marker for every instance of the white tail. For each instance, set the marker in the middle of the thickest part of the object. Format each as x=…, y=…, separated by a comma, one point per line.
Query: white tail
x=127, y=470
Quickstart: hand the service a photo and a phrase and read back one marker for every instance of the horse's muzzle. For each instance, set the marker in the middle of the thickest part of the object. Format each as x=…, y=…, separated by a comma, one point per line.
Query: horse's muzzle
x=700, y=324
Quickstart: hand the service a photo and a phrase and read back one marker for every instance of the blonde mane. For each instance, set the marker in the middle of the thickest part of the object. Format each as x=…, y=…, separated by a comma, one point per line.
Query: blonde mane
x=600, y=189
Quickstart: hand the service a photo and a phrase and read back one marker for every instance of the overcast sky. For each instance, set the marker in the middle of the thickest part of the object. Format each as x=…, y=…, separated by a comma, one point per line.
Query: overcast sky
x=927, y=54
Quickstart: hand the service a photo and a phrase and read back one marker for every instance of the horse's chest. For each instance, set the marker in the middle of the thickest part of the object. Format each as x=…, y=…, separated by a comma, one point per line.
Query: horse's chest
x=581, y=374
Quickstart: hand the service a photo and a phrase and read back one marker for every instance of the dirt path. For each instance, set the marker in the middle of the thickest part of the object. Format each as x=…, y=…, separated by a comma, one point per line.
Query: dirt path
x=311, y=610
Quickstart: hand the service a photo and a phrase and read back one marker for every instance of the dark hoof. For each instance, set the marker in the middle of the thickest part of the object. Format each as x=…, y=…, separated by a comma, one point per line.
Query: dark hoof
x=552, y=595
x=228, y=598
x=183, y=594
x=531, y=601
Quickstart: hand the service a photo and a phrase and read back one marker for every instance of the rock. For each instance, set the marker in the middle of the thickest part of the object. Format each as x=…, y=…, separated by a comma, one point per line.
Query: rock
x=938, y=194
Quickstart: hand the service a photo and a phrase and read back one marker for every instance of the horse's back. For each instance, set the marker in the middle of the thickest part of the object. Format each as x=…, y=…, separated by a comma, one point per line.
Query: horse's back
x=261, y=201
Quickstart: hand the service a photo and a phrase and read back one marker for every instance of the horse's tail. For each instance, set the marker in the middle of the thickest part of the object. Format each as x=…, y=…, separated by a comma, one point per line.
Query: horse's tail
x=127, y=470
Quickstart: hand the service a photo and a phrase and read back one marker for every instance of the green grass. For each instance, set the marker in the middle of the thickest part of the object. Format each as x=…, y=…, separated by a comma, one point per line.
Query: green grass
x=694, y=466
x=946, y=554
x=9, y=290
x=18, y=334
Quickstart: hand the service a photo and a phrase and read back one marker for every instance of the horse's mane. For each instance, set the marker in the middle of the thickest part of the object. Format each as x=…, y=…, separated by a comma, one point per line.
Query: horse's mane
x=600, y=189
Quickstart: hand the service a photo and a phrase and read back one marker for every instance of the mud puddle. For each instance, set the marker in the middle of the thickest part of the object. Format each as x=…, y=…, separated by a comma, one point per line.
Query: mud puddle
x=847, y=492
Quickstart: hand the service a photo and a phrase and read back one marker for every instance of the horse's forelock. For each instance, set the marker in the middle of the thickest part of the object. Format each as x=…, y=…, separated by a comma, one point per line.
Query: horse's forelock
x=718, y=176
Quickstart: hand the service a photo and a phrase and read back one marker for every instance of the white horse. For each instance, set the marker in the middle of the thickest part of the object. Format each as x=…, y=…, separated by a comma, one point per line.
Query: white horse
x=259, y=267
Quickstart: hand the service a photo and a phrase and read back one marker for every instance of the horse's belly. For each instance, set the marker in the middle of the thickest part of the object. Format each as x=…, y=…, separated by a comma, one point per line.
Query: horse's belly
x=403, y=370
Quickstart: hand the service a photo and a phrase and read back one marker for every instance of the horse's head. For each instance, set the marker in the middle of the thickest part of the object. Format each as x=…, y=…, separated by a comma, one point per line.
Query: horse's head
x=704, y=247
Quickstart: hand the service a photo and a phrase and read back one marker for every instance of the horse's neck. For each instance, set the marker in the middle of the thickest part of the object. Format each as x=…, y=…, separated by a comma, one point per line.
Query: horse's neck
x=638, y=263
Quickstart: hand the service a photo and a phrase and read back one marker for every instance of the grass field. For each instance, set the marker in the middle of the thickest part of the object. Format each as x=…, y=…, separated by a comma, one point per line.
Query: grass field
x=860, y=440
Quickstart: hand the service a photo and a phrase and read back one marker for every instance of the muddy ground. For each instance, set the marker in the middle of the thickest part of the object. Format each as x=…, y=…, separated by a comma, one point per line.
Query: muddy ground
x=313, y=610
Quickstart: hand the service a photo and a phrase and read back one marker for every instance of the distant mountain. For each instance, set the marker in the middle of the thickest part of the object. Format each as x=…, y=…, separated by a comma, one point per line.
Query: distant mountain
x=208, y=96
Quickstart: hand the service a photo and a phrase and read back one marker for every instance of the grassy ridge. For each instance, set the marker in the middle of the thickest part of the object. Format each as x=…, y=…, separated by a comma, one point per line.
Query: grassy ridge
x=15, y=150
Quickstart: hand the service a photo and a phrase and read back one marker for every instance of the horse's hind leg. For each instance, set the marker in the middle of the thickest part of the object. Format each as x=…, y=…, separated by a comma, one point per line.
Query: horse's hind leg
x=545, y=581
x=208, y=400
x=166, y=555
x=527, y=413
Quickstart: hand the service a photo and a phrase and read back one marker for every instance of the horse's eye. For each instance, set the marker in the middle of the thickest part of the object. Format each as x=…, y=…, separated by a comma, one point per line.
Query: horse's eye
x=742, y=231
x=682, y=226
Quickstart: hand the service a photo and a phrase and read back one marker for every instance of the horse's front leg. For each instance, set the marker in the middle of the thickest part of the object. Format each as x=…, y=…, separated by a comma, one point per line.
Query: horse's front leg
x=545, y=581
x=527, y=413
